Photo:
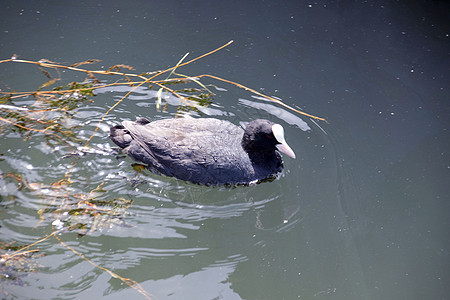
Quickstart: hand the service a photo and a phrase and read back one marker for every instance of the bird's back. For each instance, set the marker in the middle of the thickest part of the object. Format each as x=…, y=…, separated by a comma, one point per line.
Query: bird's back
x=204, y=151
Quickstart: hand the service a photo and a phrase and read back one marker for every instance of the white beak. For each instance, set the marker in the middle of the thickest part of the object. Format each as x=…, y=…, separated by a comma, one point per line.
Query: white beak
x=278, y=132
x=286, y=149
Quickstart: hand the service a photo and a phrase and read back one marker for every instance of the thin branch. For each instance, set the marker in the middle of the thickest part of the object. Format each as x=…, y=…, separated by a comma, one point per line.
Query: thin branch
x=27, y=128
x=131, y=283
x=262, y=95
x=20, y=251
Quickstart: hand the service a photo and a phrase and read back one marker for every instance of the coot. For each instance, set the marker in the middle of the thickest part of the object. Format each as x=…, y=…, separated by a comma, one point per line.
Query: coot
x=205, y=151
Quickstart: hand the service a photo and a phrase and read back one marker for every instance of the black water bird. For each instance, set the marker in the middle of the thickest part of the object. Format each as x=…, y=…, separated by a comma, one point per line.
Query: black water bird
x=205, y=150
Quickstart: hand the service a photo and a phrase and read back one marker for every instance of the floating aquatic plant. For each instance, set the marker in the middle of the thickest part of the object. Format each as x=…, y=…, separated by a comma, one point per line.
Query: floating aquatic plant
x=13, y=268
x=48, y=114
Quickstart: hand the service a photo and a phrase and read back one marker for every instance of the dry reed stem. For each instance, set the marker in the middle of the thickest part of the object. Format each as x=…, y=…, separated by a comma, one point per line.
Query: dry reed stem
x=28, y=128
x=111, y=108
x=262, y=95
x=45, y=63
x=149, y=80
x=42, y=63
x=192, y=60
x=21, y=251
x=131, y=283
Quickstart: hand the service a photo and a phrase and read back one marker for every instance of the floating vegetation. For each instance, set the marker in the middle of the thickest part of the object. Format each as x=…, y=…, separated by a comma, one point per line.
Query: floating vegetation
x=89, y=212
x=80, y=212
x=49, y=114
x=14, y=267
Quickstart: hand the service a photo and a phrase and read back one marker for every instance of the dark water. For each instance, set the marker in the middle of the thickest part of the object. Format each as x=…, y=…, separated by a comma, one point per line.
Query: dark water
x=362, y=213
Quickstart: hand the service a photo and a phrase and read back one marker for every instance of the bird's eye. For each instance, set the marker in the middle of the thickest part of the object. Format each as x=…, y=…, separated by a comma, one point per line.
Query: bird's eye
x=268, y=136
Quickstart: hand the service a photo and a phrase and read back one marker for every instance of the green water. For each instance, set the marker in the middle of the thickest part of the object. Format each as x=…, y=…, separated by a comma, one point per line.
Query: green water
x=360, y=214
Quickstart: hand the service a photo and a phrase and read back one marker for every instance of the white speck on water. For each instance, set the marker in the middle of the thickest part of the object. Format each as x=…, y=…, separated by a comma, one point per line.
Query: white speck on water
x=58, y=224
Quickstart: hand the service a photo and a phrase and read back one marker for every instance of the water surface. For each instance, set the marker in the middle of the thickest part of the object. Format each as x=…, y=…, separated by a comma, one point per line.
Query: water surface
x=360, y=214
